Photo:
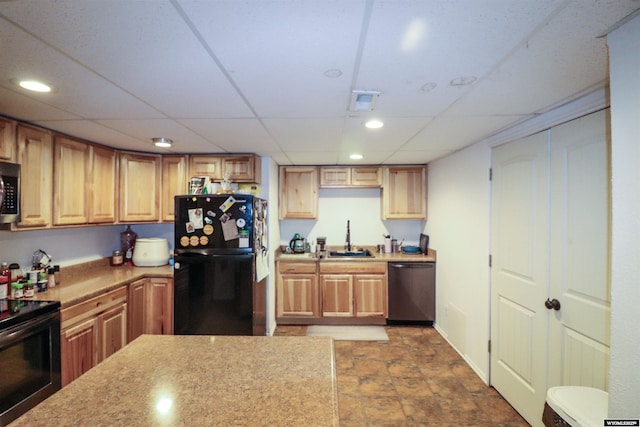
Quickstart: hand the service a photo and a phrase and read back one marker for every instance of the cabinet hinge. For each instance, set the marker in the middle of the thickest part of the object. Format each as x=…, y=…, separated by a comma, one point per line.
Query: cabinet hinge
x=490, y=260
x=490, y=174
x=489, y=346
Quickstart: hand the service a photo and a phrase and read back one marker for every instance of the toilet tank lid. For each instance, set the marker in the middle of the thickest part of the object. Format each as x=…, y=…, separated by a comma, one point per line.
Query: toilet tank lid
x=579, y=406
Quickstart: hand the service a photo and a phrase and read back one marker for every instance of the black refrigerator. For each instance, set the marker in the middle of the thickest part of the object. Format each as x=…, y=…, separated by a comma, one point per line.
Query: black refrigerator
x=220, y=265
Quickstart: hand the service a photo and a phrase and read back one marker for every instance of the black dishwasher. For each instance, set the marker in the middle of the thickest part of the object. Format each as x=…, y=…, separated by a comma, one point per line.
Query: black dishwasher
x=412, y=293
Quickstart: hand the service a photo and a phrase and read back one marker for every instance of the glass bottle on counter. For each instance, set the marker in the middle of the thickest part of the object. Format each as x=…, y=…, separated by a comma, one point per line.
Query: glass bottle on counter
x=5, y=272
x=128, y=240
x=4, y=287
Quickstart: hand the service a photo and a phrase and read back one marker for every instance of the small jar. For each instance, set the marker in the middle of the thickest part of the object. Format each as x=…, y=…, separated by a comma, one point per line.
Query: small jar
x=4, y=287
x=16, y=290
x=117, y=259
x=51, y=281
x=29, y=291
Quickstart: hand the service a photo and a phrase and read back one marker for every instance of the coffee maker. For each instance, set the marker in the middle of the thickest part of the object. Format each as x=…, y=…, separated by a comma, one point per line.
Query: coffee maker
x=321, y=241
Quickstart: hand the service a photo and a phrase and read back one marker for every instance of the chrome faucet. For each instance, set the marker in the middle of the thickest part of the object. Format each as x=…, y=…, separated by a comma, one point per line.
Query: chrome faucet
x=348, y=245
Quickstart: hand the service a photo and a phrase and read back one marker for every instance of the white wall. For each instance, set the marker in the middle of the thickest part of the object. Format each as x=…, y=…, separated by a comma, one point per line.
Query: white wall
x=270, y=193
x=363, y=208
x=624, y=374
x=72, y=245
x=458, y=226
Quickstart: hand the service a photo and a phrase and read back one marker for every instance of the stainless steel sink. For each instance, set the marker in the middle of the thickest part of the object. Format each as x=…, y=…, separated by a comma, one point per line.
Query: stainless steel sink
x=365, y=253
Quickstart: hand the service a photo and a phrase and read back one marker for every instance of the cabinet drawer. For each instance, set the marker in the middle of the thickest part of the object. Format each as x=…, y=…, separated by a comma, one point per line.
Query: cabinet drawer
x=92, y=307
x=353, y=267
x=297, y=267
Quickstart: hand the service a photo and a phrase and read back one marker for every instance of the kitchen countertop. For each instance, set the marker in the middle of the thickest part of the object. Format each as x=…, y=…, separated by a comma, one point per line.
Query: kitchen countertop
x=203, y=381
x=82, y=282
x=397, y=257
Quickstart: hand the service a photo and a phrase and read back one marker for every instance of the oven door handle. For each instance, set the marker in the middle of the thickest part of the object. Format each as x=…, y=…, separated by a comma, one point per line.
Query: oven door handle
x=24, y=329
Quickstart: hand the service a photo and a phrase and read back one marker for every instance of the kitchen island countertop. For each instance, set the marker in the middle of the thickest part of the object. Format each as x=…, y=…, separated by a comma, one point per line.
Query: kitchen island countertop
x=196, y=380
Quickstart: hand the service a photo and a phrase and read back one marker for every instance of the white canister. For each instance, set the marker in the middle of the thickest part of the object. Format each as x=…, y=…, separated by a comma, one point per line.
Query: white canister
x=151, y=252
x=387, y=245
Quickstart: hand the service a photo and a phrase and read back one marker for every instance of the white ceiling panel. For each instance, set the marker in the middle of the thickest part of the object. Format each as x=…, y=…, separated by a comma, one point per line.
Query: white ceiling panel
x=281, y=49
x=275, y=77
x=233, y=135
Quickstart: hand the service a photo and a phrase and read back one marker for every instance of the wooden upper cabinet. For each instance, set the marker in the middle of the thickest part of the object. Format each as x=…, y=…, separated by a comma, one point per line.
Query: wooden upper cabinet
x=174, y=182
x=140, y=180
x=404, y=192
x=70, y=181
x=36, y=175
x=348, y=177
x=102, y=201
x=243, y=168
x=298, y=192
x=7, y=139
x=210, y=166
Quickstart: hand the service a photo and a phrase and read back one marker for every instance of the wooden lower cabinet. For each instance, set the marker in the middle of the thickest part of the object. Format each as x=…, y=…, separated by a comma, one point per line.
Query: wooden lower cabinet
x=91, y=331
x=150, y=307
x=297, y=291
x=331, y=292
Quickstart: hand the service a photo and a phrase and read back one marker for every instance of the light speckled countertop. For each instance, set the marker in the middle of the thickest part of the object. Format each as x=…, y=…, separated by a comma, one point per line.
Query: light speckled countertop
x=208, y=381
x=377, y=256
x=84, y=281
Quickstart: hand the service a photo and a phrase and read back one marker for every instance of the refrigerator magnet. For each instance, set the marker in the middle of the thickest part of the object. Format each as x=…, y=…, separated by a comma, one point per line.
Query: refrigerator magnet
x=227, y=204
x=208, y=229
x=195, y=217
x=189, y=227
x=240, y=222
x=184, y=241
x=204, y=240
x=194, y=240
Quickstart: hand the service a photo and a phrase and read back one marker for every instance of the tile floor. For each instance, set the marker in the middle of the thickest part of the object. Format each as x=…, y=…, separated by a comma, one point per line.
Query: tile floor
x=414, y=379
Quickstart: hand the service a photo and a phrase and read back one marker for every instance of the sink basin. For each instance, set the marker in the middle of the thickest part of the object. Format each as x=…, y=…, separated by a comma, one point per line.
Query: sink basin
x=365, y=253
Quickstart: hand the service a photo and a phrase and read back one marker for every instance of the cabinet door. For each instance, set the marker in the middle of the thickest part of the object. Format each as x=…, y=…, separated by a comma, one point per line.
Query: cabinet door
x=139, y=187
x=70, y=167
x=7, y=139
x=298, y=192
x=298, y=296
x=210, y=166
x=404, y=192
x=102, y=189
x=35, y=157
x=159, y=306
x=78, y=346
x=174, y=182
x=113, y=331
x=242, y=168
x=365, y=176
x=137, y=308
x=336, y=177
x=337, y=295
x=370, y=295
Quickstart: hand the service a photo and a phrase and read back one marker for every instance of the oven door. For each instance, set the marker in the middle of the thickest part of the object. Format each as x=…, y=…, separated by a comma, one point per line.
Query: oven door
x=29, y=365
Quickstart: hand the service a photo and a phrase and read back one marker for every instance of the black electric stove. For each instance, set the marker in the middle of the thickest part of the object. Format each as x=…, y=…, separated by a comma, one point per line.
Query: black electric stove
x=16, y=311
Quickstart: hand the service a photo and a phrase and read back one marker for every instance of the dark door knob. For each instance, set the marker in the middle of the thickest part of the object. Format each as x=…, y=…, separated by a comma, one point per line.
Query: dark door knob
x=552, y=304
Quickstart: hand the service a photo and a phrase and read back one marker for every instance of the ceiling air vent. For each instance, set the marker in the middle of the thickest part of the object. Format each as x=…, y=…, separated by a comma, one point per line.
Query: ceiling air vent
x=363, y=100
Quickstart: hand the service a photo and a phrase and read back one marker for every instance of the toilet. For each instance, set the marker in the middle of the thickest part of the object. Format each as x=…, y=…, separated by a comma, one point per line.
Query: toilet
x=575, y=406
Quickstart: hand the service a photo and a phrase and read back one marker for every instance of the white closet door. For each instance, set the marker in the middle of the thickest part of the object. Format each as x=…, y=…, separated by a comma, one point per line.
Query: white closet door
x=579, y=269
x=519, y=275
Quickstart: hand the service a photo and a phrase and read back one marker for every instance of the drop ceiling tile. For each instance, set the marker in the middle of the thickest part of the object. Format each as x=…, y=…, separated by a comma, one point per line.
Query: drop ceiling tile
x=233, y=135
x=147, y=129
x=18, y=105
x=311, y=133
x=417, y=157
x=282, y=49
x=369, y=157
x=31, y=58
x=149, y=51
x=395, y=133
x=313, y=158
x=448, y=133
x=436, y=42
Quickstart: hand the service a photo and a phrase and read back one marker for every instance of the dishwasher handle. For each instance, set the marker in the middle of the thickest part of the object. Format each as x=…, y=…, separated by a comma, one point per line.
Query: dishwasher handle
x=413, y=265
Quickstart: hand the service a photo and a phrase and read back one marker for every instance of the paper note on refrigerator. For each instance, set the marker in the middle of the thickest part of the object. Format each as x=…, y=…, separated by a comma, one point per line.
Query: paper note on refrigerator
x=229, y=230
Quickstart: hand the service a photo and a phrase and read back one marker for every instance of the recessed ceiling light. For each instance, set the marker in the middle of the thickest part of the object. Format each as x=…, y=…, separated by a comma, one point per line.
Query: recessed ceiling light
x=35, y=86
x=374, y=124
x=355, y=156
x=162, y=142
